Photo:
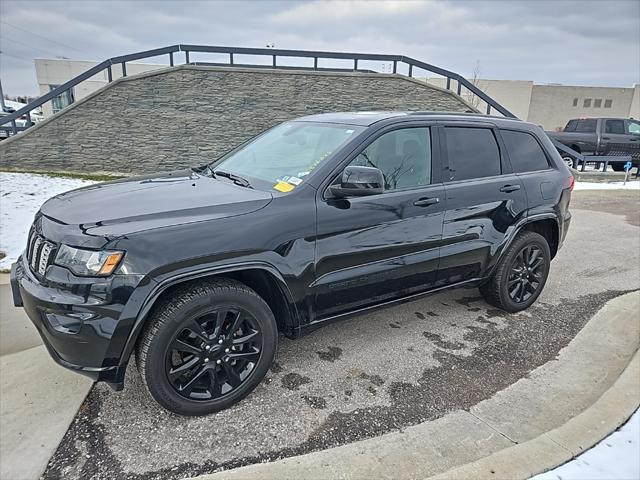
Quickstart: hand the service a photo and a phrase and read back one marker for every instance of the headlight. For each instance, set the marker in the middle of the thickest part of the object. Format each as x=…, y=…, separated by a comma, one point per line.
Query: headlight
x=88, y=262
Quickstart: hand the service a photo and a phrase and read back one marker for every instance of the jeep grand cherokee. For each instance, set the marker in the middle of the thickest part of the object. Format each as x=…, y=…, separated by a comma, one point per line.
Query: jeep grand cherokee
x=196, y=271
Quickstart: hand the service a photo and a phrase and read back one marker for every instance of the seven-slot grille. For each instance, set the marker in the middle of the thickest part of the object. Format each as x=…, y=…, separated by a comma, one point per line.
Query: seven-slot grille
x=38, y=253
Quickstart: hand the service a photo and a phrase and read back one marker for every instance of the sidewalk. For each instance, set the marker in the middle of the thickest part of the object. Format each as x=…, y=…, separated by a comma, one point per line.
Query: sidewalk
x=39, y=398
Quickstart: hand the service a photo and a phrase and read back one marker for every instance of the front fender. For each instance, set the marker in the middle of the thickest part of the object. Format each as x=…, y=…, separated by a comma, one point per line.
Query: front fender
x=158, y=287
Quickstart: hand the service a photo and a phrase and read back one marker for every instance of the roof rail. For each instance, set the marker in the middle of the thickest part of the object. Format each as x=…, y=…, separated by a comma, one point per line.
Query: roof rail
x=412, y=65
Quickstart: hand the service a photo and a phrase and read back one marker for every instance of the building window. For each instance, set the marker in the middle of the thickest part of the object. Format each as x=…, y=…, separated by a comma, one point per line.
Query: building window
x=607, y=103
x=586, y=103
x=575, y=102
x=61, y=101
x=597, y=103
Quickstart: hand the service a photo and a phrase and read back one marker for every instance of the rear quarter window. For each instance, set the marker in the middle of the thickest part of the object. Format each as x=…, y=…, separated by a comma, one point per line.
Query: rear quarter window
x=525, y=152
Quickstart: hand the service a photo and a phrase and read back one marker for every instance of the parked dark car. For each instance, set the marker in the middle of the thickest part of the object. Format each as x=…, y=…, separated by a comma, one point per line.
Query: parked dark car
x=601, y=136
x=319, y=218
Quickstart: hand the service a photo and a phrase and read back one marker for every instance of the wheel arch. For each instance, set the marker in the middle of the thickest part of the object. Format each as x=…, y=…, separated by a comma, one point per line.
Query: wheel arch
x=265, y=279
x=546, y=224
x=547, y=227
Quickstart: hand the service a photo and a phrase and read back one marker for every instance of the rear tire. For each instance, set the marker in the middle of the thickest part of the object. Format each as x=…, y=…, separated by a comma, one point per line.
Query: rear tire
x=520, y=275
x=206, y=346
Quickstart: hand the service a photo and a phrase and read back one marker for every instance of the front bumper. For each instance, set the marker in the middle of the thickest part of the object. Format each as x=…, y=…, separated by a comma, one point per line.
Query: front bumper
x=81, y=324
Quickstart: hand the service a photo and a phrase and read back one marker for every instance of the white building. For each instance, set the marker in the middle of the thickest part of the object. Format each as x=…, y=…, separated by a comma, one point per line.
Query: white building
x=548, y=105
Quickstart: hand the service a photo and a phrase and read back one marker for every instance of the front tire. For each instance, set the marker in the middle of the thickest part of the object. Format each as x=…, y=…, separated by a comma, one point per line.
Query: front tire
x=520, y=275
x=206, y=347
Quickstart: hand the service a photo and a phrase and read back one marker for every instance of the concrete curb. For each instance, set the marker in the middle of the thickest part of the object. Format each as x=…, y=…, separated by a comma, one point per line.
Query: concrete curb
x=561, y=409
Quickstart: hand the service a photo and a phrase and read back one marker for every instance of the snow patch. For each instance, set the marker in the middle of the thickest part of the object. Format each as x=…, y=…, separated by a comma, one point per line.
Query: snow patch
x=615, y=457
x=21, y=195
x=631, y=185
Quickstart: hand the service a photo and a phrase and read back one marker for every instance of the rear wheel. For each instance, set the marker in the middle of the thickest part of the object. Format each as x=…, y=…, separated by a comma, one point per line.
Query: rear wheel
x=520, y=275
x=206, y=347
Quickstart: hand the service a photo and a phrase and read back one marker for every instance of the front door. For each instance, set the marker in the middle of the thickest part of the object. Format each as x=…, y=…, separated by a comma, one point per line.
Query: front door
x=484, y=200
x=376, y=248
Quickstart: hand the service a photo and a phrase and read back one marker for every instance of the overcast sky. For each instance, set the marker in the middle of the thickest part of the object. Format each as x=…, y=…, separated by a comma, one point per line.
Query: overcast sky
x=585, y=42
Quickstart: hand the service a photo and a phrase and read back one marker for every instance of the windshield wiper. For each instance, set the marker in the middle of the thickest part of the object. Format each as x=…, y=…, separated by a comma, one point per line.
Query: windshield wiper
x=238, y=180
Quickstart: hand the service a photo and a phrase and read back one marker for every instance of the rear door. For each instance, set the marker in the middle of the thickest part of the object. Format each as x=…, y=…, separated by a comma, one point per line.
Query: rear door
x=616, y=138
x=484, y=199
x=542, y=182
x=376, y=248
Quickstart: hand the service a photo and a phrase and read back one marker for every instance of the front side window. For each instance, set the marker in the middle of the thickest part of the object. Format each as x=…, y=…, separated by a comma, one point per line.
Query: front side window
x=282, y=157
x=587, y=125
x=525, y=152
x=61, y=101
x=615, y=127
x=403, y=156
x=472, y=152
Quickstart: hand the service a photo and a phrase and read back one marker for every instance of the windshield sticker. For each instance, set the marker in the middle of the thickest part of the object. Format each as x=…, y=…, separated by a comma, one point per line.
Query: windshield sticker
x=283, y=187
x=349, y=131
x=295, y=180
x=303, y=174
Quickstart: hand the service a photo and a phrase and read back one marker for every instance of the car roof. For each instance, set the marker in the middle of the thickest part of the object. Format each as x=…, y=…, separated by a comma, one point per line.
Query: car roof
x=369, y=118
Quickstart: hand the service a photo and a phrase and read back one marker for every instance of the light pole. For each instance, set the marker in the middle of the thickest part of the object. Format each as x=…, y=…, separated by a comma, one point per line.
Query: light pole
x=1, y=97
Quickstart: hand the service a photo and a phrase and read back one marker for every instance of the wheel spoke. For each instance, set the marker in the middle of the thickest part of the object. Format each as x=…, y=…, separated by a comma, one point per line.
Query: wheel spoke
x=533, y=255
x=182, y=346
x=232, y=376
x=235, y=324
x=245, y=338
x=188, y=387
x=220, y=317
x=215, y=387
x=187, y=366
x=250, y=356
x=537, y=264
x=198, y=330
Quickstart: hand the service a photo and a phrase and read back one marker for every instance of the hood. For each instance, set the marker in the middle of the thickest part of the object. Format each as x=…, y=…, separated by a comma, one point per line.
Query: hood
x=140, y=203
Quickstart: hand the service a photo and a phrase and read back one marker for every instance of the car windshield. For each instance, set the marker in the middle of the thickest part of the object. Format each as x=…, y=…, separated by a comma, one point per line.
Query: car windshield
x=282, y=157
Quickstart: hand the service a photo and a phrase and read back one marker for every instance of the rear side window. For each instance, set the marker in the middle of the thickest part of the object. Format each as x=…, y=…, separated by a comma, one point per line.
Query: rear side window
x=614, y=126
x=525, y=152
x=472, y=152
x=586, y=126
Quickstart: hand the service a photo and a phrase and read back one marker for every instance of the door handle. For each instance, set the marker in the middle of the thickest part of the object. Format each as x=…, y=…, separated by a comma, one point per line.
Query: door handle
x=606, y=138
x=509, y=188
x=426, y=201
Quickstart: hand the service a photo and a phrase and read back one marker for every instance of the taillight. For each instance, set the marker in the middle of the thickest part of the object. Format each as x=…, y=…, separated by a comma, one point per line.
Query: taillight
x=572, y=182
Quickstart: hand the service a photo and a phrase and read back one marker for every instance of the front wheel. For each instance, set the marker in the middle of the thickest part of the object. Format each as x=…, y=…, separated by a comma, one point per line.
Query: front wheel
x=206, y=347
x=570, y=162
x=520, y=275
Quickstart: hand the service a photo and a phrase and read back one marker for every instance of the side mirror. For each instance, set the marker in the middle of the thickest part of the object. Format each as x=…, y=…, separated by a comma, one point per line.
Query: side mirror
x=359, y=181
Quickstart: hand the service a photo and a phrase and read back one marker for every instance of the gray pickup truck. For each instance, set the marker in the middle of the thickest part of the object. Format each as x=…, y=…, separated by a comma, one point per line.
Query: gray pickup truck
x=601, y=136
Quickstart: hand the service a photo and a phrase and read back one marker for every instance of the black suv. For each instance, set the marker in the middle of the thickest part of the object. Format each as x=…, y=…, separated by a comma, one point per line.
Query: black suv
x=329, y=215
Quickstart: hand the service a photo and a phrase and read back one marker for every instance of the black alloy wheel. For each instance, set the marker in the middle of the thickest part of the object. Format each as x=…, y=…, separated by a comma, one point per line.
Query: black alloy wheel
x=213, y=354
x=206, y=346
x=527, y=270
x=521, y=273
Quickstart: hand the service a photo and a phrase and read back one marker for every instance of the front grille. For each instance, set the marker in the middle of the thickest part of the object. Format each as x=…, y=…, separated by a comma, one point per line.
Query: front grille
x=39, y=252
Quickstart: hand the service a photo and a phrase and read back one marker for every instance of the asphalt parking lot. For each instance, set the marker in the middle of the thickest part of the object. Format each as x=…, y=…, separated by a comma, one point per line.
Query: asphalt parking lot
x=371, y=374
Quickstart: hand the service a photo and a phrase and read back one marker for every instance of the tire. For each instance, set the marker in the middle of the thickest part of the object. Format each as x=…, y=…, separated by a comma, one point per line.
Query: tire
x=617, y=167
x=206, y=347
x=569, y=162
x=508, y=274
